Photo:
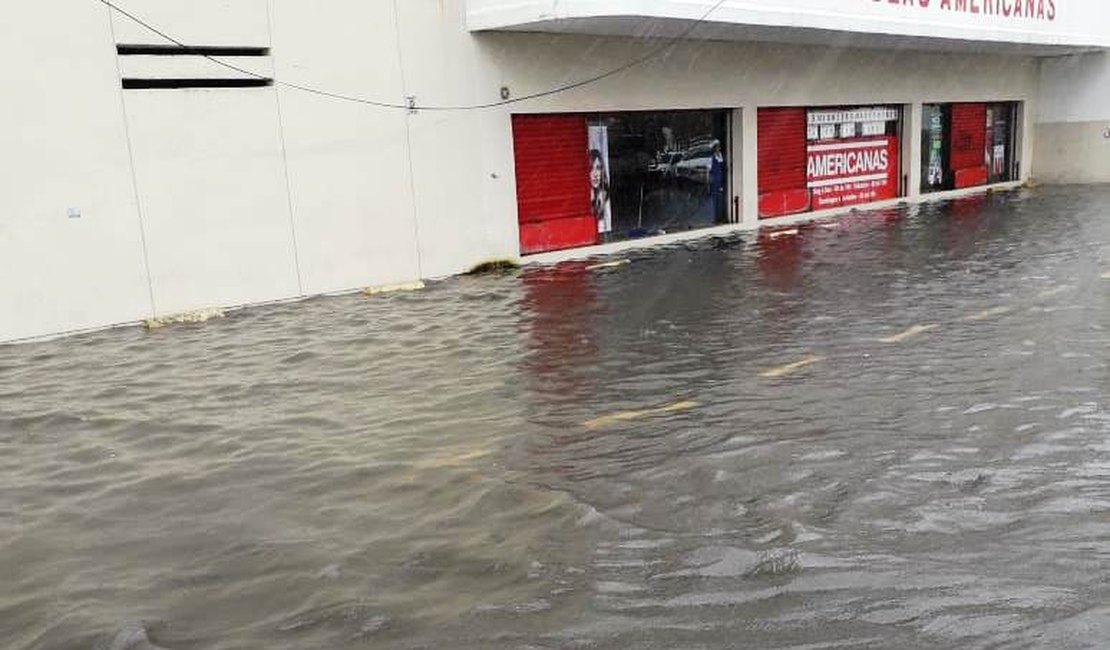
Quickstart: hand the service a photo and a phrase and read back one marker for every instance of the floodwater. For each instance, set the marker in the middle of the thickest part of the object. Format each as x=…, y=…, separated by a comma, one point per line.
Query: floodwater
x=888, y=431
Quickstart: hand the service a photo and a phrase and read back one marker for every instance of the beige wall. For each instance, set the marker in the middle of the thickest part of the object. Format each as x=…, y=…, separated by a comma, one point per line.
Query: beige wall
x=1073, y=123
x=700, y=74
x=198, y=198
x=1073, y=152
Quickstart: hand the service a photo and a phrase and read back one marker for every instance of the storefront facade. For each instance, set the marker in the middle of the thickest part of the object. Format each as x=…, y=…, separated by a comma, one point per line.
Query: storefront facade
x=813, y=159
x=969, y=145
x=813, y=127
x=586, y=179
x=453, y=132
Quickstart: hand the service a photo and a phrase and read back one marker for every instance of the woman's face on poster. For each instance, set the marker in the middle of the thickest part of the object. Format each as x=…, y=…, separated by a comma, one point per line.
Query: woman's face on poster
x=595, y=173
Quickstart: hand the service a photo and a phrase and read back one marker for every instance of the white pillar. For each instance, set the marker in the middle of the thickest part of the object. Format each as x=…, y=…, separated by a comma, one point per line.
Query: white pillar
x=1025, y=135
x=736, y=166
x=748, y=186
x=911, y=148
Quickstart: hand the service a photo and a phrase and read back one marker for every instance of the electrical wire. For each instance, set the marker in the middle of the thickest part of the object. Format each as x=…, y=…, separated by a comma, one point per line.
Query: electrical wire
x=652, y=53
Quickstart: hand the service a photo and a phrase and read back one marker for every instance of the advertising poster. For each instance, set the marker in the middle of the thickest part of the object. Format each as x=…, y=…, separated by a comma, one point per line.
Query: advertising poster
x=849, y=172
x=935, y=172
x=600, y=188
x=854, y=161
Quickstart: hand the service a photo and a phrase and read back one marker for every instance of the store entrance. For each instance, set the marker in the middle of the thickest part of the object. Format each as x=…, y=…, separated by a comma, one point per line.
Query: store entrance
x=667, y=170
x=968, y=144
x=585, y=179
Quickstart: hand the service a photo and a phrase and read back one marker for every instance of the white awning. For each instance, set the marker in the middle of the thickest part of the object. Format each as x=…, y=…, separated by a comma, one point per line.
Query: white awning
x=1029, y=27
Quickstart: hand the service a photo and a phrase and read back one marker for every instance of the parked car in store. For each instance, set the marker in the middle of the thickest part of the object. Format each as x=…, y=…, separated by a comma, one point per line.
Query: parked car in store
x=696, y=162
x=664, y=167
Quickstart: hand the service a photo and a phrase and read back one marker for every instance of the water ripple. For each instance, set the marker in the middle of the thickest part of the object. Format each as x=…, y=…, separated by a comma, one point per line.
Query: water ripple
x=417, y=470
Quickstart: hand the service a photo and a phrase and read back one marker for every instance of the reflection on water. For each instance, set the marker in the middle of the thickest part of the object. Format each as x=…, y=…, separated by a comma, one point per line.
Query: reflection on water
x=577, y=457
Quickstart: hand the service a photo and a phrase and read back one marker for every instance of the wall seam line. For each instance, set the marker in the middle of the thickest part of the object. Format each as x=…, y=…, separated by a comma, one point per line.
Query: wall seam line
x=134, y=173
x=408, y=143
x=285, y=157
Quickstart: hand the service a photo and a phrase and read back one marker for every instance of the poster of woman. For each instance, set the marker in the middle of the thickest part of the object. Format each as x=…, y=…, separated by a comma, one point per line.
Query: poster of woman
x=600, y=189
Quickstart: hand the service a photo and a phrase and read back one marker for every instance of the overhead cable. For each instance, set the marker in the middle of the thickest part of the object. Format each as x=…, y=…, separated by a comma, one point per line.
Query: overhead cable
x=650, y=54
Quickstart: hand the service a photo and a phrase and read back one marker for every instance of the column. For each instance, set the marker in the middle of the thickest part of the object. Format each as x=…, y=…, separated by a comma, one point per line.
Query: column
x=911, y=149
x=748, y=185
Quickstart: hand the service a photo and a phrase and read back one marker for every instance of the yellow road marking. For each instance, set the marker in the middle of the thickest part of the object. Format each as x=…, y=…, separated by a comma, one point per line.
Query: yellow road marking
x=1052, y=292
x=909, y=334
x=608, y=265
x=791, y=368
x=452, y=459
x=628, y=416
x=987, y=313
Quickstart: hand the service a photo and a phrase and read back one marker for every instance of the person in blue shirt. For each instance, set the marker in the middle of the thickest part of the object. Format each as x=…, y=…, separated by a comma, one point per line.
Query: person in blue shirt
x=717, y=183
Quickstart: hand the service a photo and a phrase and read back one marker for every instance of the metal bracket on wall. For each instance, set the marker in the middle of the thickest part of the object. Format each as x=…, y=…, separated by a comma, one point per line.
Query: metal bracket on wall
x=410, y=101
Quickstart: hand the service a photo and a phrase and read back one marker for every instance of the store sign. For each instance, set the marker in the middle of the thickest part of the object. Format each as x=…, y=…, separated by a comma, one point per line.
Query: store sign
x=1042, y=10
x=852, y=172
x=878, y=114
x=1068, y=23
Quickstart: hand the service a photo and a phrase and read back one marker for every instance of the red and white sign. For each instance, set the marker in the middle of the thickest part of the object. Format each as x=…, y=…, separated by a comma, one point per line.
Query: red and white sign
x=850, y=172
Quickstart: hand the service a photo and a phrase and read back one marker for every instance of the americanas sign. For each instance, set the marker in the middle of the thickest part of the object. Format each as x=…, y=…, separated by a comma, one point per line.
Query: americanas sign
x=848, y=172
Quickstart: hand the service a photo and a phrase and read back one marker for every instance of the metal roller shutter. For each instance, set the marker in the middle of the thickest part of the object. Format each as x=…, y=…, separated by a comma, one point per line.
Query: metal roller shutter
x=552, y=182
x=782, y=162
x=968, y=143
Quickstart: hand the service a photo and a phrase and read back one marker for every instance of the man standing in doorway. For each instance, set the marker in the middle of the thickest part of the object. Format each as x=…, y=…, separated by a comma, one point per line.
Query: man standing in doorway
x=717, y=183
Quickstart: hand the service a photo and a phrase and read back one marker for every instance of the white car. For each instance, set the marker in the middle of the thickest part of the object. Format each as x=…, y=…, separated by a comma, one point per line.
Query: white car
x=665, y=165
x=696, y=163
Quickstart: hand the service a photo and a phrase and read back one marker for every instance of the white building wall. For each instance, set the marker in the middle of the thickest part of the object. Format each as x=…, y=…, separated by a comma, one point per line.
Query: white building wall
x=260, y=194
x=348, y=163
x=196, y=22
x=212, y=192
x=64, y=145
x=465, y=199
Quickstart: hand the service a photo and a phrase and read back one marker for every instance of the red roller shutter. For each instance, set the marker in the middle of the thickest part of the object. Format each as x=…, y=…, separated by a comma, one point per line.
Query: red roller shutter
x=968, y=144
x=552, y=182
x=782, y=162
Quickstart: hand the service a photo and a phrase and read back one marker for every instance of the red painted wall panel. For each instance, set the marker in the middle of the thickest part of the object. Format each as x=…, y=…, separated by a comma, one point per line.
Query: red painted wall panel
x=557, y=234
x=971, y=177
x=552, y=182
x=782, y=162
x=968, y=139
x=783, y=202
x=782, y=149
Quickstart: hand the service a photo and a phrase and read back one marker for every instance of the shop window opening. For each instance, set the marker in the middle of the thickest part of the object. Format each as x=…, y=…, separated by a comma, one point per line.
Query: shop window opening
x=968, y=145
x=597, y=178
x=820, y=158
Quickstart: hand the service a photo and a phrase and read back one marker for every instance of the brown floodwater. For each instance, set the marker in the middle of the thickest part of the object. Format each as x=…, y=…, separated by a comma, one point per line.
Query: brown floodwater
x=886, y=431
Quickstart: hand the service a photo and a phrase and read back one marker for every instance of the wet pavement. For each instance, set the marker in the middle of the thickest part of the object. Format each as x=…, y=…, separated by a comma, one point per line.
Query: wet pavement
x=887, y=431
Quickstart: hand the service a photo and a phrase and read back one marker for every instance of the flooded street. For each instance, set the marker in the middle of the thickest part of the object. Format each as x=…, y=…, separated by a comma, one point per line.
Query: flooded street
x=887, y=431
